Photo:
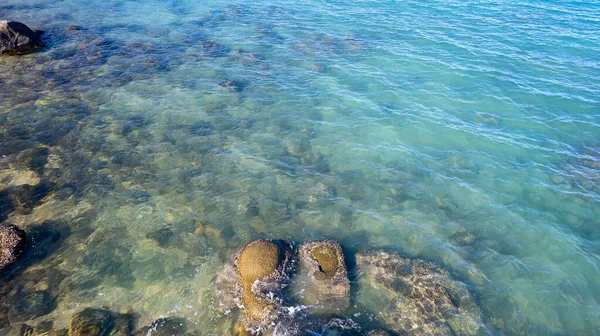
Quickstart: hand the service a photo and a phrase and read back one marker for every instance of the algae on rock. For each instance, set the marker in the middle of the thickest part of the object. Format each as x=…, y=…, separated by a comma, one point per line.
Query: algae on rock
x=327, y=284
x=253, y=280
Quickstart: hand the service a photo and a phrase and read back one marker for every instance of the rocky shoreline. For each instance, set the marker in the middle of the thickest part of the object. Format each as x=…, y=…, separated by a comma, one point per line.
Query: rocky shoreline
x=416, y=297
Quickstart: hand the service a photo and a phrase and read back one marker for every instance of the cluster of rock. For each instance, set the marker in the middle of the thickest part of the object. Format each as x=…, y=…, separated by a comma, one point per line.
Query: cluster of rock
x=415, y=297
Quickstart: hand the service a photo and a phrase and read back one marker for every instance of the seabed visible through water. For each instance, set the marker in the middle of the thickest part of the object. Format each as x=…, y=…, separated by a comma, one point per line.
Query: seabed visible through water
x=150, y=140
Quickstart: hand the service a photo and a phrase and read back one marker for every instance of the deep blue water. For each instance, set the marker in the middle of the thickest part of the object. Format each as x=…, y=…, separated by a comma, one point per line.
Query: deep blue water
x=384, y=125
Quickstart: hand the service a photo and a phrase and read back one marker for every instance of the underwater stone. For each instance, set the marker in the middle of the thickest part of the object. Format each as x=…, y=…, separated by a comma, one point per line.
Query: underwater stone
x=12, y=244
x=6, y=205
x=66, y=190
x=169, y=326
x=30, y=305
x=417, y=297
x=212, y=49
x=202, y=128
x=231, y=85
x=17, y=330
x=339, y=327
x=328, y=284
x=92, y=322
x=17, y=39
x=163, y=236
x=463, y=238
x=25, y=196
x=33, y=158
x=377, y=333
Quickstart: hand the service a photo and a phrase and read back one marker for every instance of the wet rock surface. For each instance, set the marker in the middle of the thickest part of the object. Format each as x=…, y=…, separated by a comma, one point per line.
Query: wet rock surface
x=328, y=285
x=16, y=38
x=417, y=297
x=253, y=280
x=12, y=244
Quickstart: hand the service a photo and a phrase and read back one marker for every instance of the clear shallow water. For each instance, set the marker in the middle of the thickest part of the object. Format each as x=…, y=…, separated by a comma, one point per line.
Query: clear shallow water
x=390, y=125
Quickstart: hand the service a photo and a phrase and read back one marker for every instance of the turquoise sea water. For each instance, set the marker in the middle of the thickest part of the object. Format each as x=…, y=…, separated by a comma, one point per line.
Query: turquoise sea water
x=170, y=133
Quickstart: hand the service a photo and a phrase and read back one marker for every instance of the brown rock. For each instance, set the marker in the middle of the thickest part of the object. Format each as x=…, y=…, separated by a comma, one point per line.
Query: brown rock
x=253, y=279
x=12, y=244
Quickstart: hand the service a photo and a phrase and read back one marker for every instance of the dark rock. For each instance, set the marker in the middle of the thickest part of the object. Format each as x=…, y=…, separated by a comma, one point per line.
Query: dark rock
x=231, y=85
x=202, y=128
x=328, y=286
x=30, y=305
x=12, y=244
x=33, y=158
x=134, y=123
x=377, y=333
x=66, y=190
x=16, y=38
x=6, y=205
x=25, y=197
x=170, y=326
x=137, y=196
x=163, y=236
x=43, y=327
x=212, y=49
x=17, y=330
x=124, y=325
x=92, y=322
x=42, y=240
x=14, y=145
x=322, y=166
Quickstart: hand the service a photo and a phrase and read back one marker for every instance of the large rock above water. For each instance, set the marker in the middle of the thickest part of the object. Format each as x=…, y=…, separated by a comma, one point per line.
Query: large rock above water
x=253, y=279
x=16, y=38
x=416, y=297
x=328, y=286
x=12, y=243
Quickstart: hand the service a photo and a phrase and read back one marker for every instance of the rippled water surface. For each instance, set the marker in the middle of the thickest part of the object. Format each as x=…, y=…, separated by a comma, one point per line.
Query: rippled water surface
x=163, y=135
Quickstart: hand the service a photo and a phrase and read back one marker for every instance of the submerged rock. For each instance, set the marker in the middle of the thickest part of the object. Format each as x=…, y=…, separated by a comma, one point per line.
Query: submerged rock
x=339, y=327
x=17, y=330
x=25, y=197
x=6, y=205
x=92, y=322
x=12, y=244
x=377, y=333
x=16, y=38
x=416, y=297
x=30, y=304
x=463, y=238
x=253, y=280
x=169, y=326
x=327, y=286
